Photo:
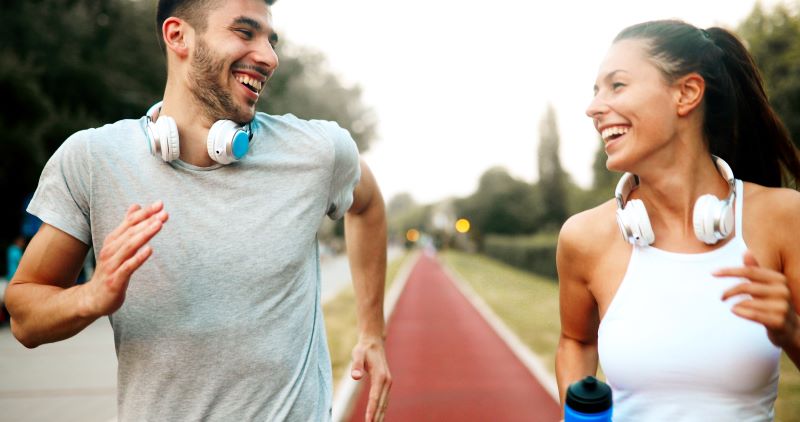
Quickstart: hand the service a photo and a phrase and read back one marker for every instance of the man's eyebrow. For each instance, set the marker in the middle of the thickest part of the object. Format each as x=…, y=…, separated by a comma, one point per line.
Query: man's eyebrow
x=244, y=20
x=256, y=26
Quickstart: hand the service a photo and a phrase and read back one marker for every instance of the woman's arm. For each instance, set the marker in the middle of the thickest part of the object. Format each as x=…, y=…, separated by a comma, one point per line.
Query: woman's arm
x=774, y=289
x=577, y=348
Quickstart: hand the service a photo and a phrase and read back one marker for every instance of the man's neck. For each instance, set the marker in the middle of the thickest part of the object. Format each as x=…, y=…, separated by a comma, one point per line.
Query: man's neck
x=192, y=124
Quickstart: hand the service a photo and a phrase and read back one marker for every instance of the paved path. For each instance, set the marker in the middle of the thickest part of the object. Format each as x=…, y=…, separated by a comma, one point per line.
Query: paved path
x=72, y=380
x=76, y=379
x=448, y=364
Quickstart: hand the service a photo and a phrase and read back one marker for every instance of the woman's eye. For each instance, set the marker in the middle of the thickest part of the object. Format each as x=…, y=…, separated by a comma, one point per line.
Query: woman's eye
x=617, y=85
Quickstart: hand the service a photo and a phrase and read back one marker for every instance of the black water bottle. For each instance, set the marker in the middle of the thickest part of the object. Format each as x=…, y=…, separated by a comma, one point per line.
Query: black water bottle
x=588, y=400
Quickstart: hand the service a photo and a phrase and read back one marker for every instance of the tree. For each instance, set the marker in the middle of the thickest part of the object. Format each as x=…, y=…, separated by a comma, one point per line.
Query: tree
x=773, y=39
x=501, y=205
x=66, y=65
x=552, y=178
x=304, y=86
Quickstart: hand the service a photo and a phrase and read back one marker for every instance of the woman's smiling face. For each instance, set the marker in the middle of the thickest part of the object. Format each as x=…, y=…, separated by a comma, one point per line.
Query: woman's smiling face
x=634, y=106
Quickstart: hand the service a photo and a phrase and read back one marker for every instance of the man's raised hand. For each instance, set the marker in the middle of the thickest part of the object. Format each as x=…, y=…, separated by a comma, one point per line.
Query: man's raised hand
x=124, y=250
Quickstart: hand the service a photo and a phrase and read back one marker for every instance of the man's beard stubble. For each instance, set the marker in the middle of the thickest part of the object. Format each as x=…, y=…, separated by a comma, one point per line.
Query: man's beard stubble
x=216, y=100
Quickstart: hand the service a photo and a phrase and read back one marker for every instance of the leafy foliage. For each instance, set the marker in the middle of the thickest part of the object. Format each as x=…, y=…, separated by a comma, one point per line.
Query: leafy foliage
x=67, y=65
x=773, y=38
x=552, y=178
x=501, y=205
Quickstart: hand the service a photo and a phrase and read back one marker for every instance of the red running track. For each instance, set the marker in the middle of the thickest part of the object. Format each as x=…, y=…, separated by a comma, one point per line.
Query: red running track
x=448, y=364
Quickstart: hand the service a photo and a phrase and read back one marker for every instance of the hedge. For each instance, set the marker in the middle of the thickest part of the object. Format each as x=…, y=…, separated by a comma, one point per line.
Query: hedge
x=535, y=253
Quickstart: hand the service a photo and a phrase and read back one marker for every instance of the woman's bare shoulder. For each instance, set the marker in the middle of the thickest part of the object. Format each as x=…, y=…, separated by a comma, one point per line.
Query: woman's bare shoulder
x=779, y=205
x=589, y=231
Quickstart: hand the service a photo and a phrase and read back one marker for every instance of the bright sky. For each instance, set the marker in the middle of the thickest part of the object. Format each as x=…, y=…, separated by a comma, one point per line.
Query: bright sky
x=459, y=86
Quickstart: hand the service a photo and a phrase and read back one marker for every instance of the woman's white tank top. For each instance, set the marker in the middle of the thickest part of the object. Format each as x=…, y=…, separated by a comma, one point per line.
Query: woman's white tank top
x=672, y=350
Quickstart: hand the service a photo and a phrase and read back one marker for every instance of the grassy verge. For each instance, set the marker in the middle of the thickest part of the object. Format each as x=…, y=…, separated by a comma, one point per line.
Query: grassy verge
x=528, y=304
x=340, y=321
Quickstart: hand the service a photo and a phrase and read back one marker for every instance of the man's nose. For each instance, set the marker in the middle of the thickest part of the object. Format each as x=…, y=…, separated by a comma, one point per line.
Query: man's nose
x=267, y=58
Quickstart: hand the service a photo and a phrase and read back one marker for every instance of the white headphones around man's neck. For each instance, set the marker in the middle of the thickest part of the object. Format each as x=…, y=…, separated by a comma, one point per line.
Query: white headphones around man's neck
x=227, y=141
x=711, y=216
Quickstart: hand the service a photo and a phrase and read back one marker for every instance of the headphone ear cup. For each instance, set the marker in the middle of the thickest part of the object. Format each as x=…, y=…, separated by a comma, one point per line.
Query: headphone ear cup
x=635, y=223
x=726, y=219
x=703, y=218
x=167, y=132
x=644, y=231
x=226, y=142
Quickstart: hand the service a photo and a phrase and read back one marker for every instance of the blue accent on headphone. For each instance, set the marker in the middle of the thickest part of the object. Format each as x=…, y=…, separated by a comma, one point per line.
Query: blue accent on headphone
x=240, y=144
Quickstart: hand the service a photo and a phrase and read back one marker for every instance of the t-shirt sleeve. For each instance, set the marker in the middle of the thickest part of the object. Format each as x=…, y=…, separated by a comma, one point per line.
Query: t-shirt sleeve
x=62, y=197
x=346, y=172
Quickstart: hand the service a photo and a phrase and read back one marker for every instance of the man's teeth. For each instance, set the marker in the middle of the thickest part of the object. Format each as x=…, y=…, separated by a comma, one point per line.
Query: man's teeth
x=614, y=130
x=245, y=79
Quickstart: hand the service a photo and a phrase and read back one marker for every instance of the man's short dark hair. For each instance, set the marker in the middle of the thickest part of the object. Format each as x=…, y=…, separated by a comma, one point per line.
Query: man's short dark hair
x=192, y=11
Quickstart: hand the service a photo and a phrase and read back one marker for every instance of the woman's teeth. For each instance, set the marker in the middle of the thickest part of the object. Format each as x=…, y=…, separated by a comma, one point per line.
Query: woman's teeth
x=613, y=131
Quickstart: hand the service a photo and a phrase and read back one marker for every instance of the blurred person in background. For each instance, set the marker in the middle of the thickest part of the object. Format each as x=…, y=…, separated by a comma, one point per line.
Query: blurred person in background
x=688, y=311
x=13, y=256
x=216, y=312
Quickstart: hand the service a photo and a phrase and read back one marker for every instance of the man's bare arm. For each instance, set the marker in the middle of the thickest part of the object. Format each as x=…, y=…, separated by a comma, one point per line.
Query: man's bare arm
x=42, y=298
x=365, y=234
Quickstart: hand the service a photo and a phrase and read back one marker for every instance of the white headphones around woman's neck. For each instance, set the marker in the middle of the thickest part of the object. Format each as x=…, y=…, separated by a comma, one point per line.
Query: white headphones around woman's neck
x=712, y=217
x=227, y=141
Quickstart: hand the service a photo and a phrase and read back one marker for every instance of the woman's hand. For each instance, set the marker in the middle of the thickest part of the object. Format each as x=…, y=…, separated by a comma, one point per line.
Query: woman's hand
x=770, y=302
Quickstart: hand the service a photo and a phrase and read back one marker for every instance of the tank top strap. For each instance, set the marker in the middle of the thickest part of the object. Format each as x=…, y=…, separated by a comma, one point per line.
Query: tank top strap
x=739, y=205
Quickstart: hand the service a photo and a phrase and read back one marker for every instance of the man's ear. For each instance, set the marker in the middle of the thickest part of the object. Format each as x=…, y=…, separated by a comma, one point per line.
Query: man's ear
x=177, y=33
x=689, y=93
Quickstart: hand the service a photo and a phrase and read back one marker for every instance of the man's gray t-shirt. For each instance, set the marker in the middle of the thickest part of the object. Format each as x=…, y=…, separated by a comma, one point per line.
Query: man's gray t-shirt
x=223, y=322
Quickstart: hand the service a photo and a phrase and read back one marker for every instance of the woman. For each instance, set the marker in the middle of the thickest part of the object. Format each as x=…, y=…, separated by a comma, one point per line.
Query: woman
x=689, y=309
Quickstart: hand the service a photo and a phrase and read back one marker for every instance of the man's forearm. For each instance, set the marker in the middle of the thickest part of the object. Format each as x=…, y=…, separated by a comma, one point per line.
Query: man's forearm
x=44, y=314
x=365, y=236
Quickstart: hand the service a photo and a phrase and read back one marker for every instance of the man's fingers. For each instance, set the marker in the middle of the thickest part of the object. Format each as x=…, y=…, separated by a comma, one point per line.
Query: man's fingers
x=121, y=227
x=380, y=383
x=372, y=402
x=378, y=395
x=383, y=402
x=134, y=216
x=112, y=247
x=133, y=241
x=132, y=264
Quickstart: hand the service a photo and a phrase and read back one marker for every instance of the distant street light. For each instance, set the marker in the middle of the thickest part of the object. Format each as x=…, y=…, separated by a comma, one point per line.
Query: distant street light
x=462, y=225
x=412, y=235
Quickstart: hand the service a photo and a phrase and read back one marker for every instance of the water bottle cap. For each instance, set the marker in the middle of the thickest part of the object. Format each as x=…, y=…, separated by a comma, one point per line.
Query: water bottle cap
x=589, y=396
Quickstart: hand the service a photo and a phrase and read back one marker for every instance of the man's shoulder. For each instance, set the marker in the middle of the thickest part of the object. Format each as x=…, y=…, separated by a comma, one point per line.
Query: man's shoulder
x=290, y=124
x=107, y=139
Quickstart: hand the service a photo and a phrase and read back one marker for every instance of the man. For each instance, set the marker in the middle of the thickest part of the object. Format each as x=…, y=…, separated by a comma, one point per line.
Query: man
x=216, y=312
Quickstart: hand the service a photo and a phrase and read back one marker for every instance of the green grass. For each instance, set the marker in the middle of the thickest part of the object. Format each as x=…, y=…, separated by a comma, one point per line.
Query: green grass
x=340, y=322
x=528, y=304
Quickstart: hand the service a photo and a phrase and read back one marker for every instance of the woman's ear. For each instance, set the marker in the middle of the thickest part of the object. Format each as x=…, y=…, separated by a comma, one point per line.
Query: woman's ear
x=689, y=92
x=176, y=34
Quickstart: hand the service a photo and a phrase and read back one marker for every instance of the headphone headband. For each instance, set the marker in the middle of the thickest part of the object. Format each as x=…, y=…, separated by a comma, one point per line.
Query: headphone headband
x=227, y=140
x=712, y=218
x=629, y=182
x=726, y=172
